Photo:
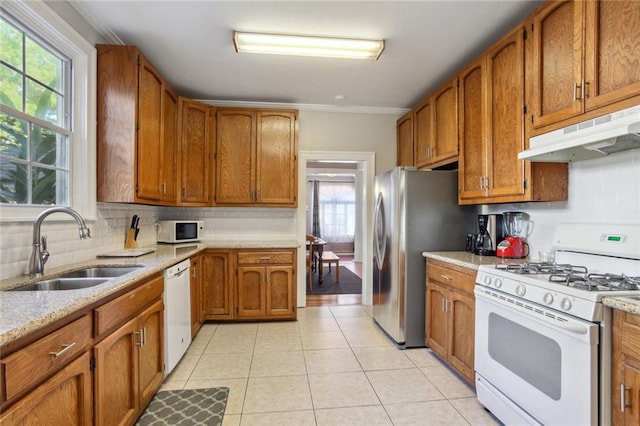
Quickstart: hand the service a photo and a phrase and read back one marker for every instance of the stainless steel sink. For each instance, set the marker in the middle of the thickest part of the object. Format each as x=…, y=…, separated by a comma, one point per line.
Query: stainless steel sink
x=101, y=272
x=62, y=284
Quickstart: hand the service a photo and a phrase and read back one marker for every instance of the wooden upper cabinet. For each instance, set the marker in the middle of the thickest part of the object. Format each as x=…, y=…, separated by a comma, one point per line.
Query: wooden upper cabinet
x=424, y=147
x=557, y=62
x=445, y=123
x=276, y=158
x=196, y=141
x=404, y=132
x=256, y=157
x=136, y=131
x=612, y=51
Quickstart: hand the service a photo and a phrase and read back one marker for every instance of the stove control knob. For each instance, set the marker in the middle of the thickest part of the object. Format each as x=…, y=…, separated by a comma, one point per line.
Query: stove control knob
x=566, y=304
x=521, y=290
x=548, y=298
x=498, y=283
x=487, y=279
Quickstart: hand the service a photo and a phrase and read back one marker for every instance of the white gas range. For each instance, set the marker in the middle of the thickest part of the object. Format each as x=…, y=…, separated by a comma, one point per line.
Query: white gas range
x=543, y=336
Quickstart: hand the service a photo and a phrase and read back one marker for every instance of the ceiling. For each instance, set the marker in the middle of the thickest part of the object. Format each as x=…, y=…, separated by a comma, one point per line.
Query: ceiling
x=190, y=43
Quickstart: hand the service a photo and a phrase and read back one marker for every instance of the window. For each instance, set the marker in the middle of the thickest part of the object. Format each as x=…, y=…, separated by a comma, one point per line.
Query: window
x=337, y=205
x=47, y=114
x=34, y=121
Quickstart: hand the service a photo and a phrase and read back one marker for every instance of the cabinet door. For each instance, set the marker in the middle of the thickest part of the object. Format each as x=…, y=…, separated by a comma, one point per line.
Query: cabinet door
x=280, y=291
x=404, y=135
x=251, y=297
x=461, y=343
x=423, y=133
x=64, y=399
x=625, y=369
x=473, y=131
x=235, y=157
x=445, y=122
x=217, y=297
x=149, y=154
x=195, y=153
x=437, y=321
x=276, y=158
x=612, y=50
x=151, y=351
x=169, y=146
x=505, y=72
x=116, y=376
x=195, y=283
x=557, y=62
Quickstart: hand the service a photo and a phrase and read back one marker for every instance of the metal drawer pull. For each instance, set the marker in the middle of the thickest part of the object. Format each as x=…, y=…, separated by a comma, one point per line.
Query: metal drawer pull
x=446, y=277
x=139, y=342
x=64, y=349
x=265, y=258
x=623, y=391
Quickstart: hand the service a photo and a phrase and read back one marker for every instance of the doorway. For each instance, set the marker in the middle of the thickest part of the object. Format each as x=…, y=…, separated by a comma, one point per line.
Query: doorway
x=362, y=166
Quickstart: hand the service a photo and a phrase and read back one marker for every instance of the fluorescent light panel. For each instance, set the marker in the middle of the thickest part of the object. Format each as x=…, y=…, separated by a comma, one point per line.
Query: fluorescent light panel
x=282, y=44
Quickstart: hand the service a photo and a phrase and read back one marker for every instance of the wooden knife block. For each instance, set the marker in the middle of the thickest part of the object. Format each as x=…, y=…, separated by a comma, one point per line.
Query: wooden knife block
x=130, y=242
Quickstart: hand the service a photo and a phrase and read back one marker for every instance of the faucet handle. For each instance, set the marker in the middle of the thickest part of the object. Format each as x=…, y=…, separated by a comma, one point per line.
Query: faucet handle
x=43, y=246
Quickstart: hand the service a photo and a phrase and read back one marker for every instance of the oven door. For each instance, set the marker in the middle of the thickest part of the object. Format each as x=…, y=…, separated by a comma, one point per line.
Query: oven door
x=534, y=364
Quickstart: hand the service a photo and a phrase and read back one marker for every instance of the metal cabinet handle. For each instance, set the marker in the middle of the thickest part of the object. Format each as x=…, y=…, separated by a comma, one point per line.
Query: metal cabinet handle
x=623, y=391
x=139, y=342
x=446, y=277
x=163, y=187
x=265, y=258
x=576, y=87
x=144, y=336
x=64, y=349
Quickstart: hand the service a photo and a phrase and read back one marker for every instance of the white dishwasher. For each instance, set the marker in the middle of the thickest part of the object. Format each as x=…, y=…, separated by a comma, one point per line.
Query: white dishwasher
x=177, y=314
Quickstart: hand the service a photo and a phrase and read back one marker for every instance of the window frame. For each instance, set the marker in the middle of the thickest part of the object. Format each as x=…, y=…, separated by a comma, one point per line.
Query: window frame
x=46, y=24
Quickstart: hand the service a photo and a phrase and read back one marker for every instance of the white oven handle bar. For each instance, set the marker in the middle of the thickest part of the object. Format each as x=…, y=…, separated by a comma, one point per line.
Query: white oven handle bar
x=568, y=325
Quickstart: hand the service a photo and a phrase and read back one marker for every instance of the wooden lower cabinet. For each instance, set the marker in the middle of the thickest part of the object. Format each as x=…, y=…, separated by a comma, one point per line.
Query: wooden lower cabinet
x=625, y=369
x=197, y=313
x=217, y=284
x=450, y=315
x=64, y=399
x=266, y=285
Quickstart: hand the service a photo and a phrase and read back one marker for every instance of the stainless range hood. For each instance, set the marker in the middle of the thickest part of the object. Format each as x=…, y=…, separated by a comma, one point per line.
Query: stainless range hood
x=615, y=132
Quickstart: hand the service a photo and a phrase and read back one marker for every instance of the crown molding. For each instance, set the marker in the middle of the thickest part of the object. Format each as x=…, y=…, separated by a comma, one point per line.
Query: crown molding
x=104, y=31
x=307, y=107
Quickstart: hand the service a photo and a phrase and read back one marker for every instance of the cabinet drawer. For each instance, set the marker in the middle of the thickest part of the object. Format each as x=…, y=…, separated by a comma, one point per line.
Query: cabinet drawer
x=265, y=257
x=462, y=279
x=119, y=310
x=34, y=362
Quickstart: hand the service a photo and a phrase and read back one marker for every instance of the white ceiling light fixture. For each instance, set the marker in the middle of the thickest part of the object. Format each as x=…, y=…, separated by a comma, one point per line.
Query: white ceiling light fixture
x=284, y=44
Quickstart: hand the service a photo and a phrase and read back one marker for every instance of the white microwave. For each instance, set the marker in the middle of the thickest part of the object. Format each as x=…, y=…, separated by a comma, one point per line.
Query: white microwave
x=180, y=231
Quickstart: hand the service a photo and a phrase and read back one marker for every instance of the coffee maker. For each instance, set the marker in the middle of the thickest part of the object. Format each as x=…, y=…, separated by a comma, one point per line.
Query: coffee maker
x=490, y=231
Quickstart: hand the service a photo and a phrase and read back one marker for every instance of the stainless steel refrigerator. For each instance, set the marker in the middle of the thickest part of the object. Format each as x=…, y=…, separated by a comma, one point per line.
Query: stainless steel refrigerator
x=415, y=211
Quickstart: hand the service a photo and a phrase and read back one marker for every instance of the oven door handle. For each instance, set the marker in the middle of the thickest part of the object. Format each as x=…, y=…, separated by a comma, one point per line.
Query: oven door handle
x=572, y=327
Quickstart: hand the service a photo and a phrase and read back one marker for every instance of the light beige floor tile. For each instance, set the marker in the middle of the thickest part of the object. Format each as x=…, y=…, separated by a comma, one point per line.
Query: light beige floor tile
x=278, y=342
x=341, y=390
x=431, y=413
x=367, y=338
x=323, y=340
x=185, y=367
x=226, y=343
x=352, y=416
x=199, y=343
x=207, y=329
x=222, y=366
x=447, y=382
x=237, y=390
x=283, y=393
x=368, y=309
x=318, y=324
x=348, y=311
x=356, y=323
x=422, y=357
x=172, y=384
x=284, y=418
x=406, y=385
x=278, y=327
x=314, y=313
x=474, y=412
x=231, y=420
x=236, y=328
x=331, y=361
x=283, y=363
x=382, y=358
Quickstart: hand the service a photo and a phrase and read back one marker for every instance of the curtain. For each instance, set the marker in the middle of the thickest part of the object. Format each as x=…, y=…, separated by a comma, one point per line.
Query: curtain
x=337, y=211
x=315, y=229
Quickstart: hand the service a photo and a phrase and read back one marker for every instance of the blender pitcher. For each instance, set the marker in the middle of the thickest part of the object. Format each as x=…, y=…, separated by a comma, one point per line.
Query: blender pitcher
x=516, y=228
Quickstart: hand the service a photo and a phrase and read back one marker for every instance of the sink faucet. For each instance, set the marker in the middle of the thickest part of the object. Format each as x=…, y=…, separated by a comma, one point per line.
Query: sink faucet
x=39, y=254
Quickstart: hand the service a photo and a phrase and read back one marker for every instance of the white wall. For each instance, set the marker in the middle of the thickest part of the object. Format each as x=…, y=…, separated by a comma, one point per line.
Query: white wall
x=604, y=190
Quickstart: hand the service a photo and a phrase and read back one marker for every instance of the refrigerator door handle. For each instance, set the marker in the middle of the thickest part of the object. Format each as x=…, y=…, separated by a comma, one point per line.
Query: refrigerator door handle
x=379, y=225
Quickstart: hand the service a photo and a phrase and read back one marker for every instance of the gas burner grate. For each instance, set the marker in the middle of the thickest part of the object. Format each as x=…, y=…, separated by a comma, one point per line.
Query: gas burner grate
x=614, y=282
x=541, y=268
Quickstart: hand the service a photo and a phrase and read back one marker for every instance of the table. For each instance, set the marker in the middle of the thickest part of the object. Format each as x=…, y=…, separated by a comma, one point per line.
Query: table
x=318, y=246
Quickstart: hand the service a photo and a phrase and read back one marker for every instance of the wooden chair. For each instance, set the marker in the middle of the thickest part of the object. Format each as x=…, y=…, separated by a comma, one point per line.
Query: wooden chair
x=310, y=260
x=330, y=257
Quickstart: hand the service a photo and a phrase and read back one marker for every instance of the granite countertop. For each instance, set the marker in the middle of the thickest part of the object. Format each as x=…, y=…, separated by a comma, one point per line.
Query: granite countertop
x=627, y=304
x=466, y=259
x=22, y=312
